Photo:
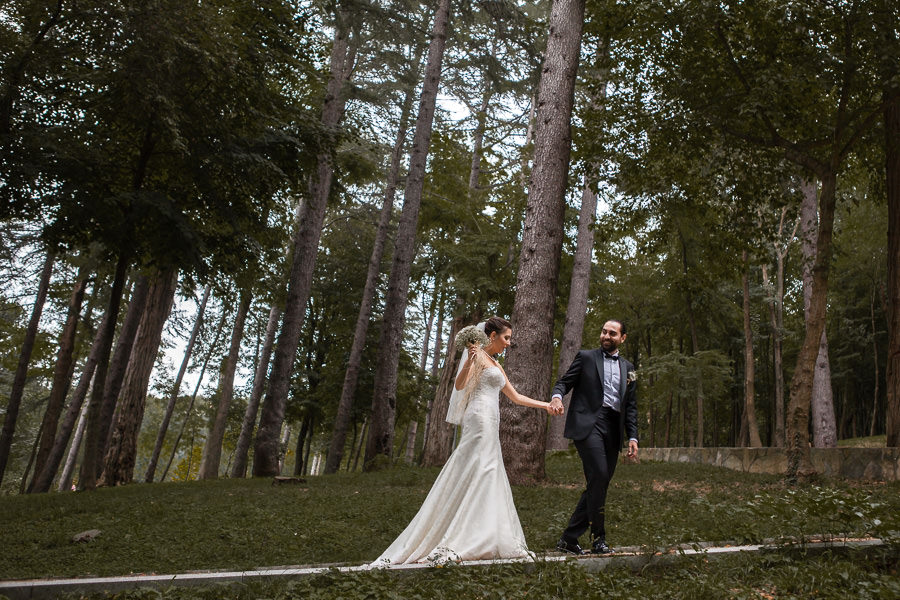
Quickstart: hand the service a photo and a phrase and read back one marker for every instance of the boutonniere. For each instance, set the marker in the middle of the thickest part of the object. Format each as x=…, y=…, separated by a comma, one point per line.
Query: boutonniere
x=631, y=377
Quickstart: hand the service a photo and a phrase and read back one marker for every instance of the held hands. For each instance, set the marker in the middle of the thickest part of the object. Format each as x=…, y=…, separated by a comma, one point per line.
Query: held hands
x=555, y=407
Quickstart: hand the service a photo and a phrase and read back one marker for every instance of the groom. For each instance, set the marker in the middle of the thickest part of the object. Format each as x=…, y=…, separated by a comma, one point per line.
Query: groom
x=603, y=406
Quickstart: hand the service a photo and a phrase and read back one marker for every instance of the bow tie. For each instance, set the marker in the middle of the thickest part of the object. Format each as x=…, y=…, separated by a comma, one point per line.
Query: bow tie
x=610, y=356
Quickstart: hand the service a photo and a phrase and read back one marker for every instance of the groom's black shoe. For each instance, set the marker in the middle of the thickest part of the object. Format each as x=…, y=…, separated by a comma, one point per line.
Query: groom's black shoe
x=570, y=547
x=600, y=547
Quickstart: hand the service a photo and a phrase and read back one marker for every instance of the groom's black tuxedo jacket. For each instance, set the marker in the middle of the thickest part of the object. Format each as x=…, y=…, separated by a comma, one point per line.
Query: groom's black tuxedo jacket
x=585, y=378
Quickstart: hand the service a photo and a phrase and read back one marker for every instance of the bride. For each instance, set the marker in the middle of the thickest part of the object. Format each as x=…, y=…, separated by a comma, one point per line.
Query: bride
x=469, y=513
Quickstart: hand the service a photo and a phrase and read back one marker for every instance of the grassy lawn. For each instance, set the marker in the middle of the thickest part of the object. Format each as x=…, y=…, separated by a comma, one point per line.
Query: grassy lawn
x=241, y=524
x=872, y=574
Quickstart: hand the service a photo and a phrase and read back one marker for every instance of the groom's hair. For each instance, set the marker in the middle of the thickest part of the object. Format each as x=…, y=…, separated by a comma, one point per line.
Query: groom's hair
x=498, y=324
x=621, y=323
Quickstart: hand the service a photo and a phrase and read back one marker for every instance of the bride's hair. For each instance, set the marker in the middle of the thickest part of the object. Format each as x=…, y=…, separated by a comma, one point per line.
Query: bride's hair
x=498, y=324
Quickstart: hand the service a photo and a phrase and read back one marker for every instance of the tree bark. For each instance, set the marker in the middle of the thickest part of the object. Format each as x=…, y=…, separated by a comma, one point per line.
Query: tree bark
x=74, y=413
x=523, y=431
x=301, y=440
x=435, y=364
x=381, y=430
x=119, y=363
x=239, y=468
x=176, y=388
x=351, y=375
x=576, y=310
x=749, y=419
x=20, y=377
x=212, y=450
x=799, y=464
x=822, y=402
x=65, y=479
x=305, y=249
x=87, y=479
x=120, y=458
x=892, y=184
x=776, y=321
x=875, y=363
x=62, y=375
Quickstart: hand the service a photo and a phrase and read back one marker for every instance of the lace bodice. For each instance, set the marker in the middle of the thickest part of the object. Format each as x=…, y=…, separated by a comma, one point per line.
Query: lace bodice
x=485, y=400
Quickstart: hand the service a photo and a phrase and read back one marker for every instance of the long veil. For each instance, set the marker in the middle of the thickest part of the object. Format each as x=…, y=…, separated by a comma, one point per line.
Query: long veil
x=456, y=408
x=459, y=399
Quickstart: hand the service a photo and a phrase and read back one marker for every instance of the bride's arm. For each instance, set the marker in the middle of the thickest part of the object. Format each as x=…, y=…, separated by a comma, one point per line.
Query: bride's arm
x=521, y=400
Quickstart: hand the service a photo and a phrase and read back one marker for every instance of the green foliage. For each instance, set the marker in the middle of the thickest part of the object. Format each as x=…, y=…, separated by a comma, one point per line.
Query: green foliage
x=163, y=131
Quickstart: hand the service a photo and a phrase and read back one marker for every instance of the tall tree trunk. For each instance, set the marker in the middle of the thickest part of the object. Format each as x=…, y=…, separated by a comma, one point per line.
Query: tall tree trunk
x=62, y=375
x=303, y=262
x=411, y=442
x=239, y=468
x=776, y=321
x=119, y=363
x=122, y=452
x=187, y=413
x=176, y=388
x=362, y=442
x=668, y=420
x=301, y=440
x=875, y=363
x=381, y=430
x=20, y=377
x=775, y=305
x=822, y=408
x=576, y=310
x=87, y=479
x=212, y=450
x=429, y=325
x=822, y=402
x=439, y=336
x=283, y=446
x=68, y=472
x=43, y=478
x=749, y=366
x=799, y=463
x=351, y=375
x=523, y=431
x=435, y=364
x=887, y=28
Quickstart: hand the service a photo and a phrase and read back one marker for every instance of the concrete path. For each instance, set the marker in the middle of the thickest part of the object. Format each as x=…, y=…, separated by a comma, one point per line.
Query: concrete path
x=635, y=558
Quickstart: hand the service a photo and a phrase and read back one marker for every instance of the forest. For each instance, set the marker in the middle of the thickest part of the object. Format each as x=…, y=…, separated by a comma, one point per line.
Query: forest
x=239, y=238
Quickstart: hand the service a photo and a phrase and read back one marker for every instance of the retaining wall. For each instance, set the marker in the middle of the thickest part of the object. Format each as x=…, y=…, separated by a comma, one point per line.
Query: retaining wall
x=882, y=464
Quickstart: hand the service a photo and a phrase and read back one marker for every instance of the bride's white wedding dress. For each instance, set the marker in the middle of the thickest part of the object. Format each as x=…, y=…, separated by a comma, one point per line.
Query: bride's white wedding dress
x=469, y=513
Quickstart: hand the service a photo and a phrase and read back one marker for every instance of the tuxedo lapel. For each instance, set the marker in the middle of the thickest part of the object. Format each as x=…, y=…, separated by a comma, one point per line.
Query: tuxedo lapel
x=623, y=383
x=598, y=362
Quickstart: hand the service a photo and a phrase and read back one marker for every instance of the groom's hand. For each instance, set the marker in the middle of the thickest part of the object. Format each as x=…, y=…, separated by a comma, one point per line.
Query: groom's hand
x=632, y=449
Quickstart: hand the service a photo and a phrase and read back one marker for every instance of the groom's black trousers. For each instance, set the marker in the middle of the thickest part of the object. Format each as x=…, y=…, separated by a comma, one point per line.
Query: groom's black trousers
x=599, y=452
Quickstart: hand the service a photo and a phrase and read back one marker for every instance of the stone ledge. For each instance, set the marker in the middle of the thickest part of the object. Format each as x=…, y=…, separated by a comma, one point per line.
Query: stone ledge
x=872, y=464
